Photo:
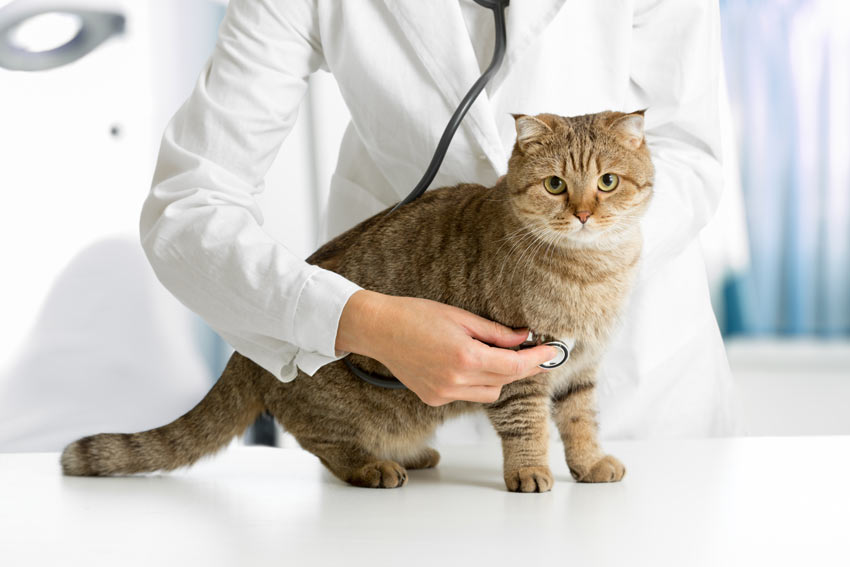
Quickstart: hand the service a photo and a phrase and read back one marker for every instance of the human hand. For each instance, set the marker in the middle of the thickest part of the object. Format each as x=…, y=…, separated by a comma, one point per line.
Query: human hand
x=438, y=351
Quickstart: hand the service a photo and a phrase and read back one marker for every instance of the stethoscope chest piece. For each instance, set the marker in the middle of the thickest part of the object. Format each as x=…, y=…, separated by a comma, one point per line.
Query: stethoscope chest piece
x=564, y=347
x=558, y=360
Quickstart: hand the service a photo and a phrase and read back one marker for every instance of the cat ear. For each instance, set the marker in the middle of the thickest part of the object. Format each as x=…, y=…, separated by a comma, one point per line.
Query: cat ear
x=529, y=129
x=629, y=129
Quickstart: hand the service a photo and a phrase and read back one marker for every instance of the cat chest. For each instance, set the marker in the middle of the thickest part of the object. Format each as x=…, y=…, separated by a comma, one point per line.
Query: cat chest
x=581, y=308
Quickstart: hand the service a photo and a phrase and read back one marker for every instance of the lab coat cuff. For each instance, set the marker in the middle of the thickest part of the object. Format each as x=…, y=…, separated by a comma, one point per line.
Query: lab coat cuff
x=309, y=362
x=318, y=309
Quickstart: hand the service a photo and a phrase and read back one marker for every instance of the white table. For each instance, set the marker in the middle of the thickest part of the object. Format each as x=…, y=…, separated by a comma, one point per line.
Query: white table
x=754, y=502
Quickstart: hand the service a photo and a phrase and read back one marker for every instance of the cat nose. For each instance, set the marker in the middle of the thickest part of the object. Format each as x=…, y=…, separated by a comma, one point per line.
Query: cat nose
x=583, y=216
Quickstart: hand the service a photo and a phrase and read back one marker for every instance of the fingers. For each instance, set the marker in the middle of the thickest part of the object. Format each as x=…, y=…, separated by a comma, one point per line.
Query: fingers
x=479, y=394
x=445, y=354
x=517, y=364
x=494, y=333
x=481, y=372
x=482, y=394
x=492, y=366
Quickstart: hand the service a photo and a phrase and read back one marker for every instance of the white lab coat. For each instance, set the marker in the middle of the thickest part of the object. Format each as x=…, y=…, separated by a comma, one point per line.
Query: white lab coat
x=402, y=67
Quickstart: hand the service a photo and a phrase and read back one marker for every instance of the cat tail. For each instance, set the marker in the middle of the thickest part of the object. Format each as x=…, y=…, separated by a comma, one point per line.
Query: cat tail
x=225, y=412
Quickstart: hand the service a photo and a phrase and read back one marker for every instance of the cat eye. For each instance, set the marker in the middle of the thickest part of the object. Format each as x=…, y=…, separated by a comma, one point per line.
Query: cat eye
x=608, y=182
x=555, y=185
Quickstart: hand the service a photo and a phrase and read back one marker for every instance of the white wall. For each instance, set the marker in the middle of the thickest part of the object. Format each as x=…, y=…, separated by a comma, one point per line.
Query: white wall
x=65, y=180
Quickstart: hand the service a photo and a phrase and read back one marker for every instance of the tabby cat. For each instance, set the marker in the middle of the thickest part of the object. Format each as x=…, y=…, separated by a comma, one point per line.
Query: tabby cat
x=553, y=246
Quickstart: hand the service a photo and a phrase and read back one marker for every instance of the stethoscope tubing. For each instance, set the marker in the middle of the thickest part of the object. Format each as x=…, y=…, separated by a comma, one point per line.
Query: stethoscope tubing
x=464, y=106
x=498, y=7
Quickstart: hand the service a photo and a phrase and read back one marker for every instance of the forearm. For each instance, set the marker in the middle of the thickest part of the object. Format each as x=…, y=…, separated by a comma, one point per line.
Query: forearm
x=360, y=318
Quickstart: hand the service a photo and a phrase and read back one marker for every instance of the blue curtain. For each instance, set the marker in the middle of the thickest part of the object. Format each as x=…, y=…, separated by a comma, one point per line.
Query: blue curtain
x=788, y=71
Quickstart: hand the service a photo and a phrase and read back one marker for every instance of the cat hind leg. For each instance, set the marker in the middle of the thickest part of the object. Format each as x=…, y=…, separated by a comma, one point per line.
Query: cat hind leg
x=356, y=466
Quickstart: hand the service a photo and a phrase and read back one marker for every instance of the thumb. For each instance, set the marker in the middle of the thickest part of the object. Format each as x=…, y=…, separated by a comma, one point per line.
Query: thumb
x=533, y=357
x=494, y=333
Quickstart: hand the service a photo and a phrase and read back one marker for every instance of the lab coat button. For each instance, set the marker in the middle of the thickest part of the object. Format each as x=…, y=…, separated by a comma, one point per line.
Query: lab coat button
x=482, y=157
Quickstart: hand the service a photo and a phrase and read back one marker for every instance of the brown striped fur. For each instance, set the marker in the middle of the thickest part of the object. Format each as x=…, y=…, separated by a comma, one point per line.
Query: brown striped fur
x=513, y=253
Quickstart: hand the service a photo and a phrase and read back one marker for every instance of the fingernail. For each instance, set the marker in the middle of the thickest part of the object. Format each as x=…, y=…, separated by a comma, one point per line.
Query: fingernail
x=557, y=355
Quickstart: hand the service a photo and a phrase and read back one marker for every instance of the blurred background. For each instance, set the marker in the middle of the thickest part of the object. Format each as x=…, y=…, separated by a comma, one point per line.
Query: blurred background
x=90, y=341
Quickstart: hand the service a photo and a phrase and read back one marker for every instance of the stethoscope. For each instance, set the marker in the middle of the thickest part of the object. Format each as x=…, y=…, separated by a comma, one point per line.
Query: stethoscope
x=498, y=8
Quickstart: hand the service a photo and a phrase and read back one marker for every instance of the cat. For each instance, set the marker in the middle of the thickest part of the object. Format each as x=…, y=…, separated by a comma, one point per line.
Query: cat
x=553, y=246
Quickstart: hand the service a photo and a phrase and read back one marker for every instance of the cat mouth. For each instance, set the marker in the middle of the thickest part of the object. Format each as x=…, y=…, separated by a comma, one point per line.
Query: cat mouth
x=584, y=233
x=571, y=229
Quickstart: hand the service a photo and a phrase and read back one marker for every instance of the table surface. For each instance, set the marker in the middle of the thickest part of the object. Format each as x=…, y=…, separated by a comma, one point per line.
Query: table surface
x=718, y=502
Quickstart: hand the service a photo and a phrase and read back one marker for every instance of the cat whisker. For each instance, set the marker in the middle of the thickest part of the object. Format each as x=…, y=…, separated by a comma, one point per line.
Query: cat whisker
x=527, y=255
x=502, y=200
x=528, y=232
x=533, y=234
x=555, y=245
x=510, y=234
x=509, y=253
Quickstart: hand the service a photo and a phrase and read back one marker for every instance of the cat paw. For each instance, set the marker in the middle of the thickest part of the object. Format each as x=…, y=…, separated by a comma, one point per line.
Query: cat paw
x=530, y=479
x=427, y=459
x=380, y=474
x=606, y=469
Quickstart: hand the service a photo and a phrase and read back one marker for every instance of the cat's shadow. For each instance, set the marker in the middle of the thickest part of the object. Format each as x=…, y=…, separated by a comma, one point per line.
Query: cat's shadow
x=444, y=475
x=466, y=476
x=448, y=474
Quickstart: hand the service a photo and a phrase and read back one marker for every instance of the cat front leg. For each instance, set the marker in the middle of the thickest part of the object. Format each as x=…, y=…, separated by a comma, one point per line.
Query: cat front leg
x=574, y=411
x=521, y=418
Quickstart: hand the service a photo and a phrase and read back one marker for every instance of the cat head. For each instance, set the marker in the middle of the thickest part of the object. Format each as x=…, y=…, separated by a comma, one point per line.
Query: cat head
x=582, y=181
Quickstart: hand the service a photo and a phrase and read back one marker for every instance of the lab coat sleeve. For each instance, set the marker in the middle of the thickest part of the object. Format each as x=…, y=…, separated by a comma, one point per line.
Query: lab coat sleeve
x=675, y=74
x=201, y=226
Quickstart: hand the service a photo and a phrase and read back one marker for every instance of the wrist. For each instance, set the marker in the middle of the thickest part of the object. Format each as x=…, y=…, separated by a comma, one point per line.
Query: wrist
x=358, y=322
